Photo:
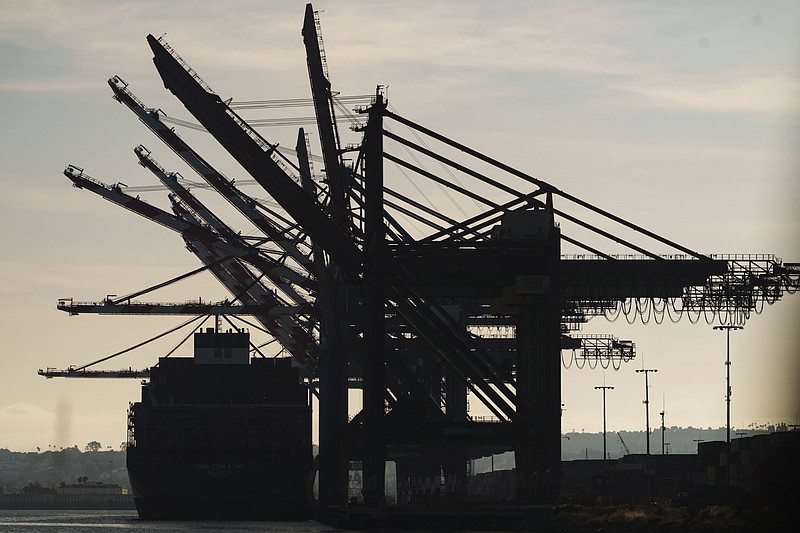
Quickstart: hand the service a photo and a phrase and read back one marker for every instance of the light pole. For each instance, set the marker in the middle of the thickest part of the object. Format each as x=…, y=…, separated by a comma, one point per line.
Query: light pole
x=727, y=329
x=647, y=402
x=604, y=388
x=646, y=371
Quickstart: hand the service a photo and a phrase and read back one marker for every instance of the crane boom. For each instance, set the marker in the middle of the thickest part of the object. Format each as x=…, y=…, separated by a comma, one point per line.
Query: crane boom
x=297, y=343
x=254, y=153
x=286, y=328
x=170, y=180
x=197, y=307
x=204, y=215
x=326, y=122
x=225, y=187
x=114, y=194
x=73, y=373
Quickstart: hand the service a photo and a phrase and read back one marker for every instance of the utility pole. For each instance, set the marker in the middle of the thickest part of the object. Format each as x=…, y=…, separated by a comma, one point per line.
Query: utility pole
x=662, y=428
x=727, y=329
x=646, y=371
x=604, y=388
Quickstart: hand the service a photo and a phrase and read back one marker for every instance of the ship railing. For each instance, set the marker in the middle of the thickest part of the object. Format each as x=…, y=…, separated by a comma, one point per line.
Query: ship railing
x=485, y=419
x=771, y=258
x=69, y=302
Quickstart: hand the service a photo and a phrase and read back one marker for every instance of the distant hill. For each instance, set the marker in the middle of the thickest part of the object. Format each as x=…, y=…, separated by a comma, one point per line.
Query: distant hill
x=677, y=441
x=590, y=445
x=51, y=468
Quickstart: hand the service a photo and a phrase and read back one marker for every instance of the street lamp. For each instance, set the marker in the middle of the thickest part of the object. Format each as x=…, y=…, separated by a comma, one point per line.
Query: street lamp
x=604, y=388
x=646, y=371
x=727, y=329
x=647, y=403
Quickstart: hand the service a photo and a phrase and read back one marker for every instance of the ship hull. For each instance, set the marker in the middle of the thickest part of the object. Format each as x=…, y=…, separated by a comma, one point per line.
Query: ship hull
x=214, y=487
x=242, y=509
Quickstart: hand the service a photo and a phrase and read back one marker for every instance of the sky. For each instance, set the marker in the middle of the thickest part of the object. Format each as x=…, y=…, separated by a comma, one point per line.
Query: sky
x=682, y=117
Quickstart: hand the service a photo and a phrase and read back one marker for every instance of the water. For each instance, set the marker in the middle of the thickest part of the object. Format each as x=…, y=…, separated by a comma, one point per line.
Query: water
x=128, y=522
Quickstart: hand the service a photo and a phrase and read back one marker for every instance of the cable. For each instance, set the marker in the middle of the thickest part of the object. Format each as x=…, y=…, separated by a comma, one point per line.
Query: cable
x=78, y=369
x=200, y=325
x=658, y=314
x=292, y=102
x=571, y=359
x=446, y=168
x=613, y=315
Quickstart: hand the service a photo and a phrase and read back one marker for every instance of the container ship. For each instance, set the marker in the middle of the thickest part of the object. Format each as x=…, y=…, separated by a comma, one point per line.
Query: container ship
x=219, y=436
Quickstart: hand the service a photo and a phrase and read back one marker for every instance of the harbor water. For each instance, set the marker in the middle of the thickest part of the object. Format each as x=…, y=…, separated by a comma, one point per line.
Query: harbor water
x=41, y=521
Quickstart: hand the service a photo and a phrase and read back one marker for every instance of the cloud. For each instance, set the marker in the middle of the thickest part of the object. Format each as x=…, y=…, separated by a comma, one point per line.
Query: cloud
x=479, y=36
x=734, y=91
x=48, y=86
x=452, y=45
x=24, y=410
x=593, y=43
x=21, y=425
x=90, y=38
x=49, y=199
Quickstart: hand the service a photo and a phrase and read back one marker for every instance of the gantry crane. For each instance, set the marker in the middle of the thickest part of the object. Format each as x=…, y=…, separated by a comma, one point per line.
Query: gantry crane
x=416, y=305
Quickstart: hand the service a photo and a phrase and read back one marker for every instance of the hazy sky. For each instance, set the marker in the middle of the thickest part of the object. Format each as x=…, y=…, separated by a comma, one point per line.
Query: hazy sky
x=683, y=117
